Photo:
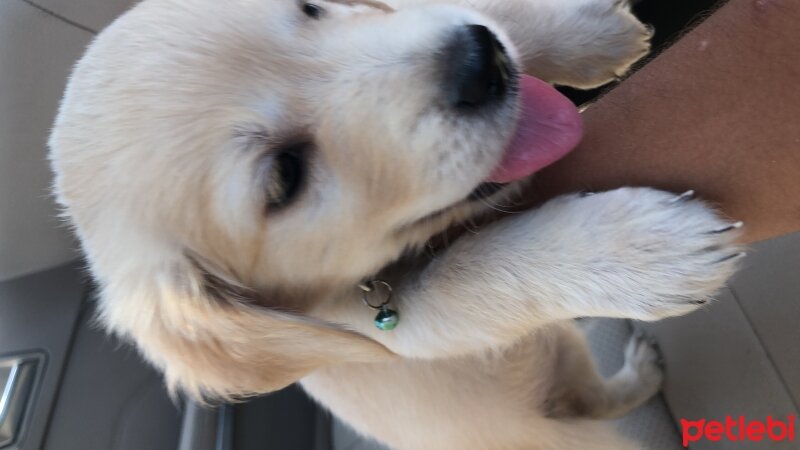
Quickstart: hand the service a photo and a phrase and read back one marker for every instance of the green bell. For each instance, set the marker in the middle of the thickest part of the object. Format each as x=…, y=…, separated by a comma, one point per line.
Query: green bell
x=386, y=319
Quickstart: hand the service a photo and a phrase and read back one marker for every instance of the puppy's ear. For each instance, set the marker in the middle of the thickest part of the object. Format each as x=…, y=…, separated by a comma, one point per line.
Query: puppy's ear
x=211, y=343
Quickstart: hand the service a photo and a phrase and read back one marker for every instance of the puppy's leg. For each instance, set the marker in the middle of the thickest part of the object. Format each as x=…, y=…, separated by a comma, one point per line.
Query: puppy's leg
x=490, y=400
x=632, y=253
x=579, y=391
x=581, y=43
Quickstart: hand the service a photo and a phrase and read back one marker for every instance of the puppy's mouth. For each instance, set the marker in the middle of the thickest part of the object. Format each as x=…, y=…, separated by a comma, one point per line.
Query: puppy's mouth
x=480, y=74
x=548, y=128
x=485, y=190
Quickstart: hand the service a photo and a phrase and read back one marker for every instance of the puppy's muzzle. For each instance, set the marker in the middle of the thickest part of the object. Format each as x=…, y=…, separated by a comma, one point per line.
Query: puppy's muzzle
x=477, y=68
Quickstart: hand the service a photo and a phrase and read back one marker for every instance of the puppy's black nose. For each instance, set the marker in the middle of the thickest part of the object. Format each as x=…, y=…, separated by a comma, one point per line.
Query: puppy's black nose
x=477, y=68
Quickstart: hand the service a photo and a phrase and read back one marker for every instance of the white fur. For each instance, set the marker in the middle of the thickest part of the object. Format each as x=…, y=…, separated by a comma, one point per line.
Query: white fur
x=166, y=141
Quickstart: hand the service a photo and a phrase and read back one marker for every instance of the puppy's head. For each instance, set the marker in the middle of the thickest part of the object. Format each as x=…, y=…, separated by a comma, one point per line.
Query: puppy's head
x=213, y=155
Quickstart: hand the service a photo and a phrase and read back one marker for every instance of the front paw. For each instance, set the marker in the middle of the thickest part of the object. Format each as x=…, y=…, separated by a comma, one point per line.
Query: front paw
x=651, y=254
x=607, y=40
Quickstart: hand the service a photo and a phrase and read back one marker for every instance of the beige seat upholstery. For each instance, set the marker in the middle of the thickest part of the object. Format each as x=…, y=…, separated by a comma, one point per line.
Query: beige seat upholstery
x=93, y=15
x=39, y=43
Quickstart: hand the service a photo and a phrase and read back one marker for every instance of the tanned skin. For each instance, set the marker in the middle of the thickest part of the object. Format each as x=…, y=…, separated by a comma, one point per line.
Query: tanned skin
x=718, y=112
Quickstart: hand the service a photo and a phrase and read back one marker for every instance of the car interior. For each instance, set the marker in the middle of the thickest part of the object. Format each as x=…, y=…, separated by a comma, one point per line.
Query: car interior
x=65, y=384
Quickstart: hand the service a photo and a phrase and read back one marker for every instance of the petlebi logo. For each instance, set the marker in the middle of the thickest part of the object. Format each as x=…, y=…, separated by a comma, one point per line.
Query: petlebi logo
x=739, y=429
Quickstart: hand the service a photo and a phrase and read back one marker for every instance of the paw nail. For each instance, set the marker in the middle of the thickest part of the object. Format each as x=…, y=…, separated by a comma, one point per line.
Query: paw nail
x=733, y=226
x=699, y=302
x=586, y=194
x=731, y=257
x=688, y=195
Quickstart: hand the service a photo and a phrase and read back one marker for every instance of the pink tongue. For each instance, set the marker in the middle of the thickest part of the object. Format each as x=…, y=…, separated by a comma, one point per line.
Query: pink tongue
x=549, y=127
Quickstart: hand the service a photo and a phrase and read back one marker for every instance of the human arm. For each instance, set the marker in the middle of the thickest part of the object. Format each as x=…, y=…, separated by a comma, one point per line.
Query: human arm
x=718, y=112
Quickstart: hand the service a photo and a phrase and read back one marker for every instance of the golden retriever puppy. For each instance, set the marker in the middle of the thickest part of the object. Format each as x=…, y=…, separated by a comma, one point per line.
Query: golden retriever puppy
x=241, y=173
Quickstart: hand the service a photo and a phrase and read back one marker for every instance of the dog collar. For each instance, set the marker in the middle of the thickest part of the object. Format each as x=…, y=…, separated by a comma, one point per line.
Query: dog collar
x=387, y=318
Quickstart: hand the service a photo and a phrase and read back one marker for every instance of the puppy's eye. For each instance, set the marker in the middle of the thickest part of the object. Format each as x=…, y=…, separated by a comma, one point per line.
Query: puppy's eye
x=285, y=179
x=312, y=10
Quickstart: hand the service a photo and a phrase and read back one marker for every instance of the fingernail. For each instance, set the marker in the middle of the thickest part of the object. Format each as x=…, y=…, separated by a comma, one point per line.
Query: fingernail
x=733, y=226
x=683, y=197
x=730, y=257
